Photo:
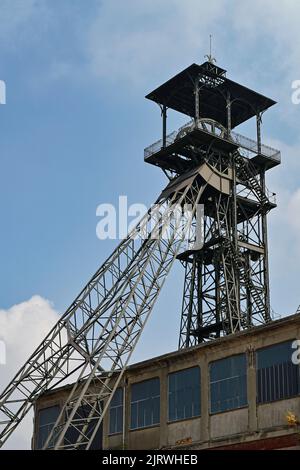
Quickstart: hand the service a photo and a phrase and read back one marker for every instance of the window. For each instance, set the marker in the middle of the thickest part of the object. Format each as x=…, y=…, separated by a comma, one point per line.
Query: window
x=228, y=383
x=116, y=412
x=46, y=419
x=145, y=404
x=184, y=394
x=277, y=376
x=80, y=417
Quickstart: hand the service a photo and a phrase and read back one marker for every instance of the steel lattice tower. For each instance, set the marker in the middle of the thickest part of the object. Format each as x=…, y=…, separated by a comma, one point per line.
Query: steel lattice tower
x=226, y=285
x=216, y=173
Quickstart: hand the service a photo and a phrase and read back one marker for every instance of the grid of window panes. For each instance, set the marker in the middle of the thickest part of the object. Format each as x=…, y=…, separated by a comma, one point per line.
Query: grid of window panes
x=46, y=420
x=228, y=383
x=80, y=417
x=277, y=376
x=145, y=403
x=116, y=412
x=184, y=394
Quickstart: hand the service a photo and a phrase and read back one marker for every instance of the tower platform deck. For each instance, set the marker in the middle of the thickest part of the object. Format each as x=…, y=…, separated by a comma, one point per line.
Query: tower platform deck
x=178, y=94
x=177, y=152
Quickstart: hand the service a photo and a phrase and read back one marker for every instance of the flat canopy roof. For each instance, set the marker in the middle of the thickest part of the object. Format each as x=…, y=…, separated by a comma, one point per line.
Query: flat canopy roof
x=178, y=94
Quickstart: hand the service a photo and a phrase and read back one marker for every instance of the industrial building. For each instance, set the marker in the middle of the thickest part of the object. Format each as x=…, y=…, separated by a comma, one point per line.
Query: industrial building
x=232, y=384
x=237, y=392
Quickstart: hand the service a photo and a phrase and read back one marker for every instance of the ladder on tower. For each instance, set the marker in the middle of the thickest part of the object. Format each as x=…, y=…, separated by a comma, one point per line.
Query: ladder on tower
x=246, y=174
x=246, y=278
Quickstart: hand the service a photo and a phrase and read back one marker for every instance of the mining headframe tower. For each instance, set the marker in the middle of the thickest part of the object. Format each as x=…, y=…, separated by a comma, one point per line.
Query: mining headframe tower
x=226, y=283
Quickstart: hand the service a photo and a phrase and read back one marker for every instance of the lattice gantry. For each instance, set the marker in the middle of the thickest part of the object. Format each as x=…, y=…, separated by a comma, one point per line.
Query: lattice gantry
x=226, y=285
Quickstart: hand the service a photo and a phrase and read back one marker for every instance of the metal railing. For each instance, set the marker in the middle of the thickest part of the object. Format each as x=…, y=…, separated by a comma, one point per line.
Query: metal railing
x=251, y=145
x=245, y=143
x=246, y=193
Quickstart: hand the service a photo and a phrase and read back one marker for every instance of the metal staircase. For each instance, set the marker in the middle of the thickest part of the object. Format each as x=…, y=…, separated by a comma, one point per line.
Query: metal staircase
x=246, y=173
x=245, y=277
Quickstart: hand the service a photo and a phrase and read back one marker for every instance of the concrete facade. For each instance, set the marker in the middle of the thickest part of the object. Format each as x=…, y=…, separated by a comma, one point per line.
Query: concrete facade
x=252, y=426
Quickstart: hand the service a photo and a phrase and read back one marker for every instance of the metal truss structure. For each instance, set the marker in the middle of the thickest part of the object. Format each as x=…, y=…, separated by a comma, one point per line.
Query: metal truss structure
x=226, y=281
x=95, y=338
x=226, y=286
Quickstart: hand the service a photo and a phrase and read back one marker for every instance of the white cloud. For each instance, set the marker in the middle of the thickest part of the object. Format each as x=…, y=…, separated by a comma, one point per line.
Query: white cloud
x=258, y=19
x=284, y=230
x=143, y=42
x=135, y=39
x=284, y=252
x=22, y=20
x=293, y=213
x=22, y=328
x=132, y=38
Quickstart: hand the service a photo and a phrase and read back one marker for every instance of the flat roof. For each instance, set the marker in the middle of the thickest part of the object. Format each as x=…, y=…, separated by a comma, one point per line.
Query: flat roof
x=216, y=342
x=210, y=344
x=178, y=94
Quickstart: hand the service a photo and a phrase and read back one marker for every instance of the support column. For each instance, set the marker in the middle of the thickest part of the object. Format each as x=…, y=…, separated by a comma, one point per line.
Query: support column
x=199, y=295
x=191, y=301
x=264, y=226
x=197, y=101
x=163, y=428
x=217, y=295
x=248, y=291
x=164, y=125
x=258, y=132
x=234, y=205
x=205, y=401
x=235, y=266
x=126, y=414
x=228, y=108
x=251, y=390
x=126, y=406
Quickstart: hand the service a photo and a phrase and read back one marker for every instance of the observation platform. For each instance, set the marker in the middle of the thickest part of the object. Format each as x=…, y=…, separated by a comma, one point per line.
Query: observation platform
x=178, y=152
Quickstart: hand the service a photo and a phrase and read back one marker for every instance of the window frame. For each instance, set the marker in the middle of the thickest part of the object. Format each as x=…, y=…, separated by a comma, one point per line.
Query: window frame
x=257, y=369
x=199, y=394
x=234, y=408
x=114, y=407
x=143, y=400
x=39, y=426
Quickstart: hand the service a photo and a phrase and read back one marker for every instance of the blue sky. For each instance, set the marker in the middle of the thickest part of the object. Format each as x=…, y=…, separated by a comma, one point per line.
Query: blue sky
x=76, y=122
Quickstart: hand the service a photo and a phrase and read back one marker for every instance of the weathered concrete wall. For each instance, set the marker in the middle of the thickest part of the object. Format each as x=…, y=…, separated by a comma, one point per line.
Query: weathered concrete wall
x=229, y=423
x=189, y=429
x=274, y=414
x=242, y=425
x=147, y=438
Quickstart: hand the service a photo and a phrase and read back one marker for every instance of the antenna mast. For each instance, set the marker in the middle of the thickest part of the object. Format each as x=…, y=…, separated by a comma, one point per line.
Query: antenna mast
x=209, y=56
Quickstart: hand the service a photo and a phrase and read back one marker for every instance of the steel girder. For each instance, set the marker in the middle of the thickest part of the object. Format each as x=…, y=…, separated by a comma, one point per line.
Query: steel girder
x=94, y=339
x=226, y=282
